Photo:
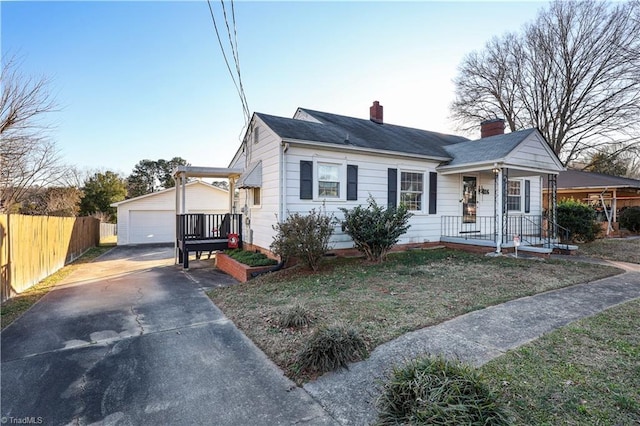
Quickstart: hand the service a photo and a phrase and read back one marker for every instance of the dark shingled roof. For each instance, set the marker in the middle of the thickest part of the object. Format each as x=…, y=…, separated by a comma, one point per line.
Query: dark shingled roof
x=487, y=149
x=580, y=179
x=360, y=133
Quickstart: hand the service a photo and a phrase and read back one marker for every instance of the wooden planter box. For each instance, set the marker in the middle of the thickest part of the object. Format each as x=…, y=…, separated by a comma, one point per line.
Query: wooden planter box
x=237, y=270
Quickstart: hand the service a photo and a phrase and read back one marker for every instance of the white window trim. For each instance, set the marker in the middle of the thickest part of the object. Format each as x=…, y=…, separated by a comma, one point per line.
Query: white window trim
x=342, y=179
x=253, y=204
x=521, y=209
x=425, y=192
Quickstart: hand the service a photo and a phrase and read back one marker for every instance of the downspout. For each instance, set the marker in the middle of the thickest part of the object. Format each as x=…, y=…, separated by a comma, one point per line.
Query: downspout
x=283, y=182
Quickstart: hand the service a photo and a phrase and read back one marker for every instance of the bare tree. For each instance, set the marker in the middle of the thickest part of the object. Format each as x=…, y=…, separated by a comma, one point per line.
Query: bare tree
x=574, y=73
x=27, y=154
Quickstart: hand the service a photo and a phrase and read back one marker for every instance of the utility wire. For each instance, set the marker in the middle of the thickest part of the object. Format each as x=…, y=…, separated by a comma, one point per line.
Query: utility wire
x=239, y=87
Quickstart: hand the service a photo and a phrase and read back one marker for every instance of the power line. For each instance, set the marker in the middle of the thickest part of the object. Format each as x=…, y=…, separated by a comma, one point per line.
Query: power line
x=234, y=50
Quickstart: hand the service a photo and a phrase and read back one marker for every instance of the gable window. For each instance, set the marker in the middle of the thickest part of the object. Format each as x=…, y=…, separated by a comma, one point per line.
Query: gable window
x=328, y=180
x=255, y=196
x=514, y=195
x=411, y=190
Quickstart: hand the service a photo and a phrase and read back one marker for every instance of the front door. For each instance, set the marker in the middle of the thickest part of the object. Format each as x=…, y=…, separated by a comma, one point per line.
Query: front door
x=469, y=202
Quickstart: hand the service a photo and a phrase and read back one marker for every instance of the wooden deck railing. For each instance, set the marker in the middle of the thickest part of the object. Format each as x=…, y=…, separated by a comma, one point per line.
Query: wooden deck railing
x=205, y=232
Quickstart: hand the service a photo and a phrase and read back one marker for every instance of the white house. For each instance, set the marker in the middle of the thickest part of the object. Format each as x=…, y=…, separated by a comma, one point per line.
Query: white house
x=483, y=192
x=151, y=218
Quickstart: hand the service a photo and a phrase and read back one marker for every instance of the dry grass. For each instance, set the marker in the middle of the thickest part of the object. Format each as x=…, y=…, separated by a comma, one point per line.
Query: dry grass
x=620, y=249
x=584, y=374
x=412, y=290
x=16, y=306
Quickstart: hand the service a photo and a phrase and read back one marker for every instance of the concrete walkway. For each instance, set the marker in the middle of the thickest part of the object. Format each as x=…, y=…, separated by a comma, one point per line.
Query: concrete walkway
x=131, y=339
x=475, y=338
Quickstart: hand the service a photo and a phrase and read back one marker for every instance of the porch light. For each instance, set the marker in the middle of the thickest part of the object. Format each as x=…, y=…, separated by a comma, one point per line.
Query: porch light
x=495, y=170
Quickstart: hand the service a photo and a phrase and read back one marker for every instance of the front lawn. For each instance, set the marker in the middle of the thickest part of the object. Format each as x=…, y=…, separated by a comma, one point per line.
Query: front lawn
x=587, y=373
x=411, y=290
x=620, y=249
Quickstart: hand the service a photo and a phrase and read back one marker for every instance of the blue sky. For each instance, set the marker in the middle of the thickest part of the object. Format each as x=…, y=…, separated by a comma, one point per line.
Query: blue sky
x=146, y=80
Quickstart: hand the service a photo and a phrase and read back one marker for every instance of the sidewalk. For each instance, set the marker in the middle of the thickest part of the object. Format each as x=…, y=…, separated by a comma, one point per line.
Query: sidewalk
x=474, y=338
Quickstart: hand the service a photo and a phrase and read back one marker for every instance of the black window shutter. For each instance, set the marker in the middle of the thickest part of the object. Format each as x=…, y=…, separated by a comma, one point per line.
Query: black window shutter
x=392, y=188
x=527, y=196
x=433, y=192
x=306, y=180
x=352, y=182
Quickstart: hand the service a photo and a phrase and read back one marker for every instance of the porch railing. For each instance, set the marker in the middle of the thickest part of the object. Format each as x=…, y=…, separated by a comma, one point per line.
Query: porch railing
x=532, y=229
x=483, y=228
x=199, y=226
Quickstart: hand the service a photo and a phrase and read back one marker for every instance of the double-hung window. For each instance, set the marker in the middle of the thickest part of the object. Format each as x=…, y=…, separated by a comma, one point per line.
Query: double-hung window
x=329, y=180
x=514, y=195
x=411, y=190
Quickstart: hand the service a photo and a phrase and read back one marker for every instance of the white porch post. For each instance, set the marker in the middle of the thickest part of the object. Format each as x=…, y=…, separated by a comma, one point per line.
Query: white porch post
x=183, y=208
x=499, y=210
x=232, y=193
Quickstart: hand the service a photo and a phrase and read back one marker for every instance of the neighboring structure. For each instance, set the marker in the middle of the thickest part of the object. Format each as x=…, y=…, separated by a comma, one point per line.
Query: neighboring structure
x=151, y=218
x=482, y=192
x=609, y=194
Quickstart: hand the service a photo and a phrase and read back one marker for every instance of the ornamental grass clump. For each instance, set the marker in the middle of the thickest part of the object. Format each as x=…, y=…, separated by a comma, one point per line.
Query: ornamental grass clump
x=296, y=317
x=436, y=391
x=331, y=347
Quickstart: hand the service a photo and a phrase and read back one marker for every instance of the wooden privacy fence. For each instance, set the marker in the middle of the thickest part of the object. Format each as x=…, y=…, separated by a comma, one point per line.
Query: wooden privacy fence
x=34, y=247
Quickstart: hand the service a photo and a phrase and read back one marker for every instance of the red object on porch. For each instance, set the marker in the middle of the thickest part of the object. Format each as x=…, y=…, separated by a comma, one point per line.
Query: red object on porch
x=233, y=241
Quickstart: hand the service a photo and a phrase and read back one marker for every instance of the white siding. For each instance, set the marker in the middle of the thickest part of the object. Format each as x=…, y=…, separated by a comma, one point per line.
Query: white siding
x=534, y=153
x=200, y=198
x=259, y=219
x=372, y=181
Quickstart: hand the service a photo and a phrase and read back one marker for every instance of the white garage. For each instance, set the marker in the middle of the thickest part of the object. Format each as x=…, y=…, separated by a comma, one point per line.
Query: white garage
x=151, y=218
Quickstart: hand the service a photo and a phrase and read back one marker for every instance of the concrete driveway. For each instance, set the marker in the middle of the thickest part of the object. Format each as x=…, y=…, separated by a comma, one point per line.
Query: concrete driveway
x=131, y=339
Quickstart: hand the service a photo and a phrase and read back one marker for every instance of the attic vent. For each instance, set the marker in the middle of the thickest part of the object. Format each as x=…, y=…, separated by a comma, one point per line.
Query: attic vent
x=256, y=134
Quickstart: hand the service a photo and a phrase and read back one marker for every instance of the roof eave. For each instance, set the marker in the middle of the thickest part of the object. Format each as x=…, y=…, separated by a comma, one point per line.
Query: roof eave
x=335, y=147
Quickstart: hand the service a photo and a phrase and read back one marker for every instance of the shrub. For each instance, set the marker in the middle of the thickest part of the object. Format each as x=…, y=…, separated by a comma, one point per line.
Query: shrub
x=433, y=390
x=630, y=219
x=303, y=237
x=250, y=258
x=375, y=230
x=296, y=317
x=331, y=347
x=579, y=219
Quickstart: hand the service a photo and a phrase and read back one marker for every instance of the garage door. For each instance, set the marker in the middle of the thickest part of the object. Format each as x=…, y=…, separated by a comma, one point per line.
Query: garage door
x=151, y=226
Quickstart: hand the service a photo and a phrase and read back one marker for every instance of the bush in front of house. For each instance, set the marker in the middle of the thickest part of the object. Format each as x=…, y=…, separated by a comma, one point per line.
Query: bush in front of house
x=579, y=219
x=630, y=219
x=250, y=258
x=374, y=229
x=305, y=237
x=331, y=347
x=433, y=390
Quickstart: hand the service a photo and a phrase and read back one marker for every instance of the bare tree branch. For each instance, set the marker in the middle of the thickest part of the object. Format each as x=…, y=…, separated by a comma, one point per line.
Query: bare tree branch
x=573, y=73
x=27, y=154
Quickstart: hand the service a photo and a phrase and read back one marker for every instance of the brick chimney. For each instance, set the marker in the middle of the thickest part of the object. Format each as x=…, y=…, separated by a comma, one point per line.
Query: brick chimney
x=492, y=127
x=375, y=112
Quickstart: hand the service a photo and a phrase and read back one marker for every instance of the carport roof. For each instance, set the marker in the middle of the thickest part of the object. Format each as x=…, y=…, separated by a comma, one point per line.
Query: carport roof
x=208, y=172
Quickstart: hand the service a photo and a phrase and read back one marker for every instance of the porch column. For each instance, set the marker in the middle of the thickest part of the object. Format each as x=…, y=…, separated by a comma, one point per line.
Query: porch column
x=232, y=193
x=552, y=203
x=499, y=208
x=614, y=205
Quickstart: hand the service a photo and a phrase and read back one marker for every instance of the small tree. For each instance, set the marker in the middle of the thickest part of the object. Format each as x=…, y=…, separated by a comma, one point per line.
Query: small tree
x=100, y=191
x=579, y=219
x=303, y=237
x=375, y=230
